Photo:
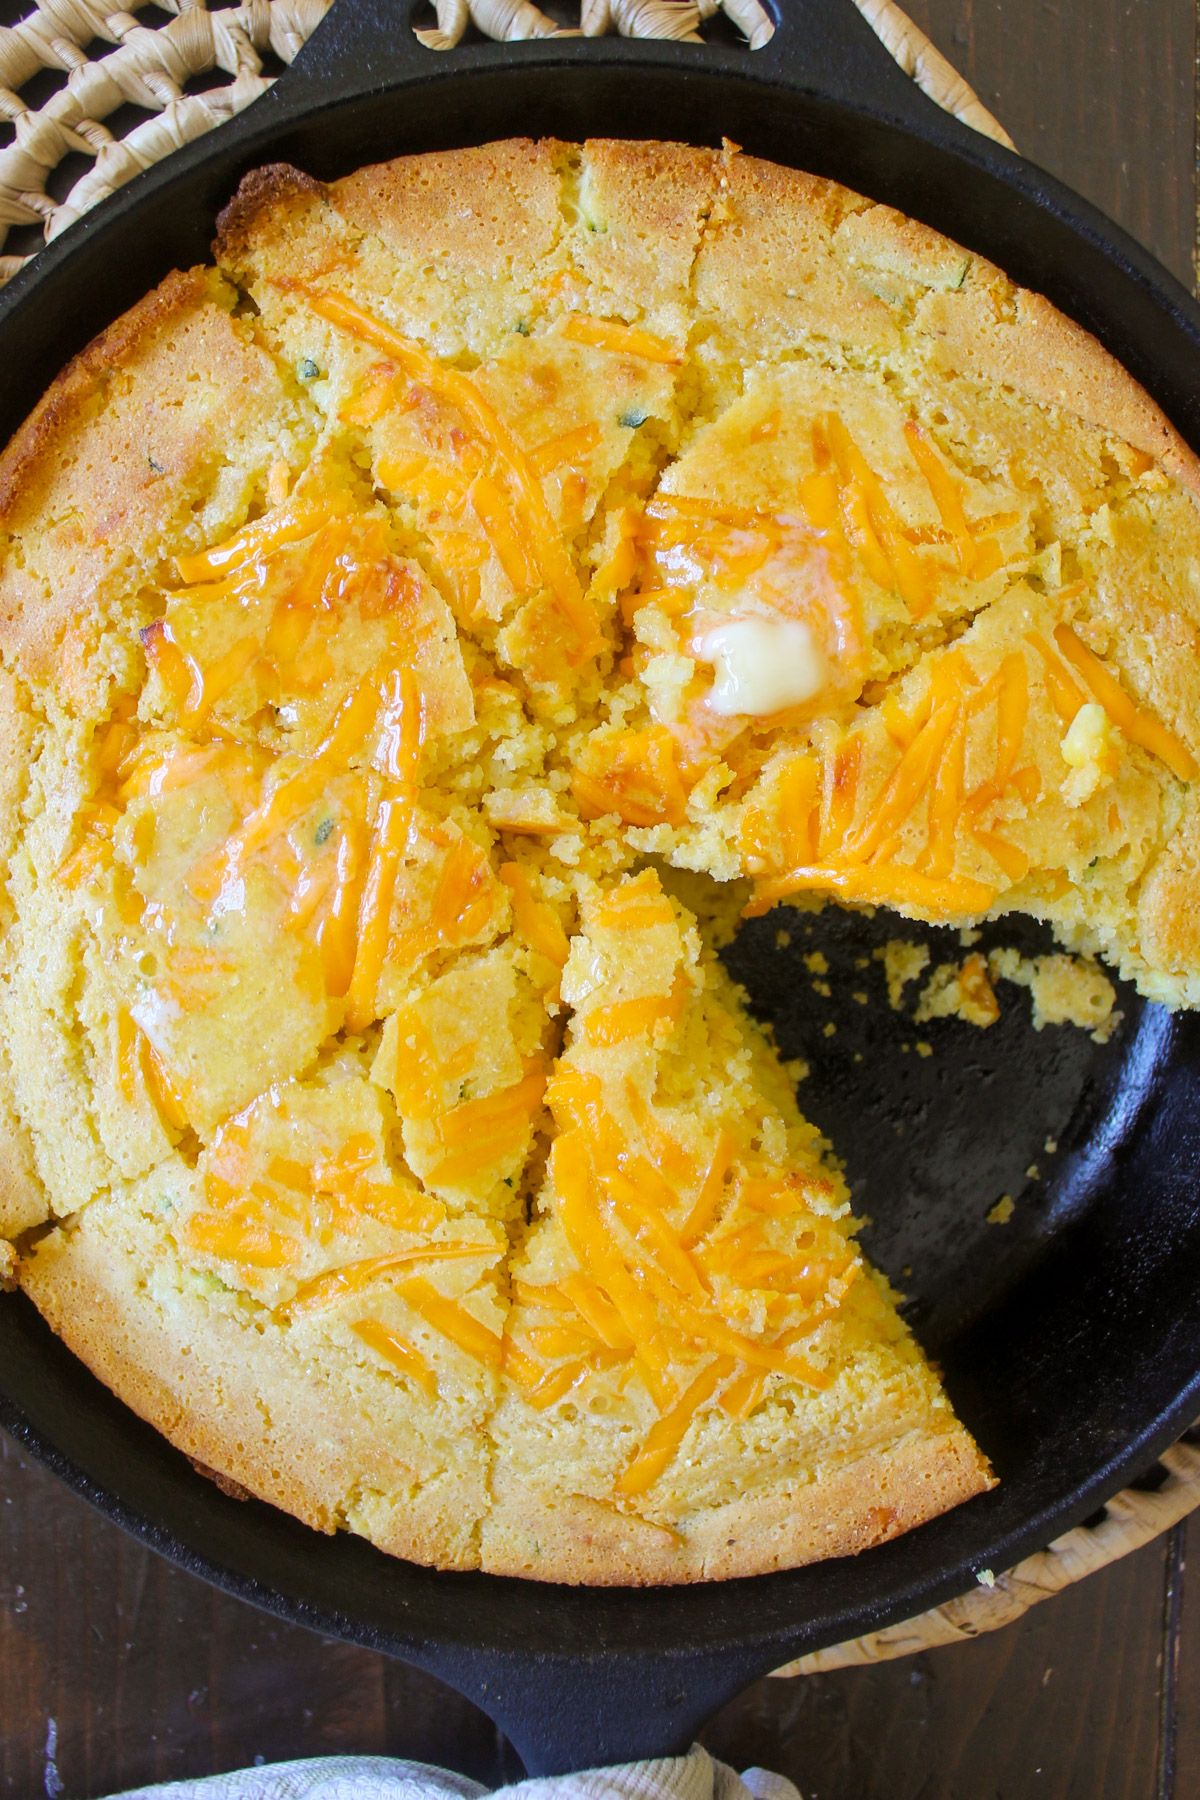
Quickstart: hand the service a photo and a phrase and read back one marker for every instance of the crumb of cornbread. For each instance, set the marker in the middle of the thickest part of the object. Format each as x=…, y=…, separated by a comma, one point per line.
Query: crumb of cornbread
x=903, y=961
x=959, y=991
x=1065, y=990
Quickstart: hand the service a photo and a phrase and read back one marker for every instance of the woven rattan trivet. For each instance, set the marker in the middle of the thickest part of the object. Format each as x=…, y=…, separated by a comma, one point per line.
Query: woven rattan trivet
x=149, y=70
x=1132, y=1518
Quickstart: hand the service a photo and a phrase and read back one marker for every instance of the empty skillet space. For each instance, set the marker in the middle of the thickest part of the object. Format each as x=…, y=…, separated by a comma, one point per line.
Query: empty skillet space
x=935, y=1123
x=1068, y=1364
x=1055, y=1330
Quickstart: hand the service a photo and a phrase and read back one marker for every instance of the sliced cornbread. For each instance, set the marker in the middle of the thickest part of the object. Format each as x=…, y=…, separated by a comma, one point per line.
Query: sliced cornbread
x=705, y=1379
x=381, y=615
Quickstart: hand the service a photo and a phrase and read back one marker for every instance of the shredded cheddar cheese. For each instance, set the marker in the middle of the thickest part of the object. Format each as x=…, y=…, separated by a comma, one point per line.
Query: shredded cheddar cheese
x=812, y=830
x=870, y=523
x=881, y=885
x=977, y=560
x=636, y=905
x=671, y=1162
x=288, y=524
x=622, y=340
x=633, y=774
x=355, y=1278
x=1139, y=726
x=567, y=447
x=541, y=540
x=665, y=1242
x=388, y=838
x=536, y=921
x=665, y=1438
x=139, y=1065
x=481, y=1135
x=597, y=1312
x=461, y=906
x=394, y=1350
x=249, y=1245
x=626, y=1019
x=495, y=514
x=708, y=1200
x=453, y=1321
x=1066, y=695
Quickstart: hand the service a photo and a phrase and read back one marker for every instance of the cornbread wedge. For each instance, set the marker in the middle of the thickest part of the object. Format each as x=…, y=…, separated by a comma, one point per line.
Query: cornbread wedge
x=691, y=1324
x=382, y=613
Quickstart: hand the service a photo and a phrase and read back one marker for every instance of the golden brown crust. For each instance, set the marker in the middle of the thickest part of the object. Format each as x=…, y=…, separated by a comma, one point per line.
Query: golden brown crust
x=766, y=264
x=23, y=1199
x=492, y=210
x=25, y=459
x=16, y=746
x=644, y=207
x=758, y=244
x=879, y=238
x=786, y=248
x=264, y=195
x=982, y=325
x=114, y=458
x=530, y=1534
x=231, y=1396
x=1009, y=337
x=1168, y=917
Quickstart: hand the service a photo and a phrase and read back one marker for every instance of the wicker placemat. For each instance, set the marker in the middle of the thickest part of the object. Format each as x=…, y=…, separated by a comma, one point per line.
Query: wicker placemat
x=148, y=69
x=1129, y=1520
x=200, y=69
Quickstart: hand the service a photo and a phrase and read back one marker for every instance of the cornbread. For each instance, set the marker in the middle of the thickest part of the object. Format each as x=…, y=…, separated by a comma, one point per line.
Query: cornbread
x=422, y=633
x=1064, y=990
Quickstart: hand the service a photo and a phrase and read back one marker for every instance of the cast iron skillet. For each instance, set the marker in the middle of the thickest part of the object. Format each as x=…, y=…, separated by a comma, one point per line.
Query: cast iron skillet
x=1071, y=1336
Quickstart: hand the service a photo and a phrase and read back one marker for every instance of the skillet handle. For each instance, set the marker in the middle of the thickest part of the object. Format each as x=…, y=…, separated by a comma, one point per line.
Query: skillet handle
x=360, y=45
x=564, y=1714
x=824, y=49
x=869, y=54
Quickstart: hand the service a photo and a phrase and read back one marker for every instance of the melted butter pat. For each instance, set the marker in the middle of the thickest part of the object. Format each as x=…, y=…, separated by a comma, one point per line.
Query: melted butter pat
x=1090, y=739
x=762, y=665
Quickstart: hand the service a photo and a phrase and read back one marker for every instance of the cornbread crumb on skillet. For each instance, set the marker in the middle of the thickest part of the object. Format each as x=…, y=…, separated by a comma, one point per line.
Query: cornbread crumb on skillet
x=420, y=634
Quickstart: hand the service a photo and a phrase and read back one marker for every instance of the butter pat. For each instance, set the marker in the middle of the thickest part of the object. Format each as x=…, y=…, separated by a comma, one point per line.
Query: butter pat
x=1089, y=738
x=762, y=665
x=1092, y=749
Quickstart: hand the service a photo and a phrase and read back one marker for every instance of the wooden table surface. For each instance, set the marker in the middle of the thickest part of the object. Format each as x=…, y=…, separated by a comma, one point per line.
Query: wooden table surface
x=117, y=1669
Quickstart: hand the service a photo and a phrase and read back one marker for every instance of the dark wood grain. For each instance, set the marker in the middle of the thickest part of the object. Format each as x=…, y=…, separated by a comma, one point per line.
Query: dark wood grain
x=1062, y=1705
x=1098, y=91
x=133, y=1671
x=1187, y=1674
x=116, y=1668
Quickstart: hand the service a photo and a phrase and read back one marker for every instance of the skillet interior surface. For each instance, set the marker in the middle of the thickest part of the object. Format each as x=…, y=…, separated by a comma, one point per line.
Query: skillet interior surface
x=1070, y=1337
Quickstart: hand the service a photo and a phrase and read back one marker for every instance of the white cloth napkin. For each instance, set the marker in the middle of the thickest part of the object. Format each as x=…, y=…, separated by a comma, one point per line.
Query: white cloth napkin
x=695, y=1776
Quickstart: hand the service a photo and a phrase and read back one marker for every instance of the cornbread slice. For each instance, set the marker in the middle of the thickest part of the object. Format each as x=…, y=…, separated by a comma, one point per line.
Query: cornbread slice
x=328, y=1408
x=372, y=609
x=704, y=1378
